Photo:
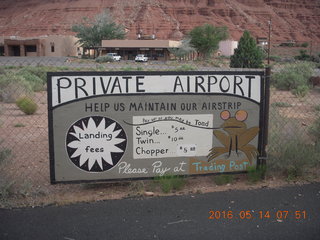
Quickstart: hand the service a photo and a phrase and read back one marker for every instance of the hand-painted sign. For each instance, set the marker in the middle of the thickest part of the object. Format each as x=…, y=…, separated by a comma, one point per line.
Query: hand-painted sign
x=120, y=125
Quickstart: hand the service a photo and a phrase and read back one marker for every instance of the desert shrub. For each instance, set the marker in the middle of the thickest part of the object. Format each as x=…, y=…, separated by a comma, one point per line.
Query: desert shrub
x=35, y=82
x=4, y=154
x=27, y=105
x=2, y=70
x=170, y=183
x=287, y=44
x=294, y=159
x=290, y=152
x=303, y=56
x=275, y=58
x=186, y=67
x=314, y=131
x=315, y=58
x=301, y=91
x=103, y=59
x=12, y=87
x=256, y=174
x=6, y=191
x=223, y=179
x=17, y=125
x=40, y=72
x=281, y=104
x=293, y=76
x=129, y=68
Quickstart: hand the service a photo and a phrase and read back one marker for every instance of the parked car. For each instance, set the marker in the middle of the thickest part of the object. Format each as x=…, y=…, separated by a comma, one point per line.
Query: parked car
x=141, y=58
x=114, y=56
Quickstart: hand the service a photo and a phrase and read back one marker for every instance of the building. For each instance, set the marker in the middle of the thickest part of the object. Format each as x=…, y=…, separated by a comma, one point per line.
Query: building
x=227, y=47
x=63, y=46
x=128, y=49
x=50, y=46
x=262, y=41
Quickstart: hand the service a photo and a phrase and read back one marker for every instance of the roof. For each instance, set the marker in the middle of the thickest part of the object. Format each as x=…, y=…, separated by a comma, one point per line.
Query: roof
x=140, y=43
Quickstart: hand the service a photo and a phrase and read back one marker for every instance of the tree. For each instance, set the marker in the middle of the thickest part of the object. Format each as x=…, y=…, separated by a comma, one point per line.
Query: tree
x=183, y=50
x=206, y=38
x=248, y=54
x=102, y=27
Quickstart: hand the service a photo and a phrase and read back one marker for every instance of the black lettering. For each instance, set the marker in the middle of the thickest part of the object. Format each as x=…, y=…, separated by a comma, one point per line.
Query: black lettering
x=94, y=86
x=138, y=84
x=211, y=83
x=220, y=84
x=199, y=84
x=77, y=87
x=178, y=83
x=88, y=107
x=127, y=82
x=96, y=107
x=188, y=83
x=60, y=86
x=104, y=89
x=249, y=87
x=116, y=83
x=237, y=84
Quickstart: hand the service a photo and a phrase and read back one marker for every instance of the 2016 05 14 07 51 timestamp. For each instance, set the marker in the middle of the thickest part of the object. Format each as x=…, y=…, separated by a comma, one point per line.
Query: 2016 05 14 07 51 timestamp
x=258, y=214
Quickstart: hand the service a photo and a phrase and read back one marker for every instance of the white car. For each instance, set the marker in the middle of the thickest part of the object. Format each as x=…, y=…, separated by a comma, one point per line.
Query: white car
x=141, y=58
x=114, y=56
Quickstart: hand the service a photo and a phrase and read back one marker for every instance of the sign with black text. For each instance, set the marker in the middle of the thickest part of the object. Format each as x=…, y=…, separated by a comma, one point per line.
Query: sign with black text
x=127, y=125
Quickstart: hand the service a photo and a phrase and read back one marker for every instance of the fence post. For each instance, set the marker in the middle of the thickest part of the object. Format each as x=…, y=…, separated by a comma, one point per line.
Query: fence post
x=266, y=114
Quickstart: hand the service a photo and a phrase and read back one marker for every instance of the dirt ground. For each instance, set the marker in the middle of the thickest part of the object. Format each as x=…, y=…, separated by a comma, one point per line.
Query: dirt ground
x=26, y=173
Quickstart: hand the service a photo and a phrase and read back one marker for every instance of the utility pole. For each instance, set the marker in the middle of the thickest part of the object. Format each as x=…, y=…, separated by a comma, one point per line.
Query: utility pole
x=269, y=40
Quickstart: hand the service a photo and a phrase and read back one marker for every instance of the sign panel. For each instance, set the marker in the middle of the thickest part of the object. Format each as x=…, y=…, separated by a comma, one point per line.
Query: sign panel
x=120, y=125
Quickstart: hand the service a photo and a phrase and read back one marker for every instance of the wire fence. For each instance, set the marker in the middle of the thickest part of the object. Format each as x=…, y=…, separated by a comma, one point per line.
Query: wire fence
x=294, y=123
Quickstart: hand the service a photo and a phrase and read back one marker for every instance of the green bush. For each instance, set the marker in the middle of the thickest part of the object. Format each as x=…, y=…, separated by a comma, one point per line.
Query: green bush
x=186, y=67
x=223, y=179
x=289, y=147
x=6, y=191
x=294, y=159
x=4, y=153
x=36, y=83
x=256, y=174
x=293, y=76
x=275, y=58
x=301, y=91
x=27, y=105
x=170, y=183
x=287, y=44
x=40, y=72
x=129, y=68
x=2, y=70
x=12, y=87
x=103, y=59
x=303, y=56
x=314, y=131
x=281, y=104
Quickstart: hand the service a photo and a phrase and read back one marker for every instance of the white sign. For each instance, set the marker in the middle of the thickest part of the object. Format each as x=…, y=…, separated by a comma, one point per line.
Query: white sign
x=69, y=88
x=172, y=135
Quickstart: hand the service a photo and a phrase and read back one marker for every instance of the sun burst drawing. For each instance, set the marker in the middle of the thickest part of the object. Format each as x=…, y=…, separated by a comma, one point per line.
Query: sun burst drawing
x=96, y=143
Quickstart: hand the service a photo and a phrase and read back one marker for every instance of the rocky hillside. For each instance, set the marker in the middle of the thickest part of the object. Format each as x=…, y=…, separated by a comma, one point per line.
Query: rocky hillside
x=169, y=19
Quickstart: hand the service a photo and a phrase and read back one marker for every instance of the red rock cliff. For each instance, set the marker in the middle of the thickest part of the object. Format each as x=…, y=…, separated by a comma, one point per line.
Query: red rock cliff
x=168, y=19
